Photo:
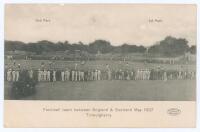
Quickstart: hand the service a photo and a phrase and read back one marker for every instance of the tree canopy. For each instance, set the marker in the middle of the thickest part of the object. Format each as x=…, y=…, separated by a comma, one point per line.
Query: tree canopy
x=170, y=46
x=101, y=46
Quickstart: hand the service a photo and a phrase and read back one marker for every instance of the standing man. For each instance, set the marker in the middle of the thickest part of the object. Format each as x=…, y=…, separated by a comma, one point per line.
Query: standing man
x=42, y=74
x=9, y=75
x=158, y=77
x=67, y=74
x=109, y=74
x=31, y=73
x=99, y=75
x=89, y=75
x=128, y=75
x=39, y=75
x=73, y=74
x=95, y=74
x=13, y=76
x=45, y=75
x=54, y=75
x=149, y=72
x=82, y=75
x=120, y=74
x=79, y=75
x=179, y=74
x=76, y=75
x=92, y=75
x=63, y=76
x=165, y=76
x=16, y=75
x=193, y=75
x=48, y=75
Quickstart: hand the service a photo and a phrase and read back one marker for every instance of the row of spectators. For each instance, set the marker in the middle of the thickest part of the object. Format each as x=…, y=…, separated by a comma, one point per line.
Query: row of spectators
x=97, y=74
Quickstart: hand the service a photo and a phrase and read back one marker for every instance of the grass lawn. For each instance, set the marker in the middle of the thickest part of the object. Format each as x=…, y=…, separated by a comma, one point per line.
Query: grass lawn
x=175, y=90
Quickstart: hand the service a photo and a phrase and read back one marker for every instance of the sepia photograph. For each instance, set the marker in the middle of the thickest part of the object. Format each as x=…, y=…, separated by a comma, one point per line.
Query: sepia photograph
x=100, y=65
x=100, y=52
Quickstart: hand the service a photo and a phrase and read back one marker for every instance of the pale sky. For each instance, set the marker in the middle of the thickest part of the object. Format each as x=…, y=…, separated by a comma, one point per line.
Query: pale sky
x=118, y=24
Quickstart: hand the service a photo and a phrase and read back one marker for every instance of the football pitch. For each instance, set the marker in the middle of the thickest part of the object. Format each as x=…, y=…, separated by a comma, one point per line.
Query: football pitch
x=115, y=90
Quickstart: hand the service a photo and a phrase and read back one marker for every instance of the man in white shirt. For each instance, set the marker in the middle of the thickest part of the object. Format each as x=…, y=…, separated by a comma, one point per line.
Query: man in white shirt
x=9, y=75
x=63, y=76
x=13, y=76
x=17, y=75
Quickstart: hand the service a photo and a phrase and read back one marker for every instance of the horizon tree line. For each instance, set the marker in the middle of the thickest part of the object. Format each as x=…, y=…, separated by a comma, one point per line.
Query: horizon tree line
x=170, y=46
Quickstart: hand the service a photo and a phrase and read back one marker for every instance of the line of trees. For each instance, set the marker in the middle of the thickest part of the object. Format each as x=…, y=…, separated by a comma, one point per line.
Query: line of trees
x=170, y=46
x=101, y=46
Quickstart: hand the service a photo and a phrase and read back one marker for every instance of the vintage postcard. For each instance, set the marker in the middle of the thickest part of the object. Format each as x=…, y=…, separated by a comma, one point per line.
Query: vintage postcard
x=100, y=65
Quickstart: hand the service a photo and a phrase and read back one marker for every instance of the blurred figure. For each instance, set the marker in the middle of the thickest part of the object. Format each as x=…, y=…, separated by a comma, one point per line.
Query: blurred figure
x=165, y=76
x=98, y=75
x=54, y=75
x=67, y=74
x=30, y=73
x=16, y=75
x=9, y=75
x=19, y=66
x=48, y=75
x=95, y=75
x=39, y=75
x=63, y=76
x=73, y=74
x=45, y=75
x=13, y=76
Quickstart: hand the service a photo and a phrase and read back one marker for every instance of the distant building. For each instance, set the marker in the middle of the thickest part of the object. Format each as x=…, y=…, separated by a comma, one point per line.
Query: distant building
x=190, y=57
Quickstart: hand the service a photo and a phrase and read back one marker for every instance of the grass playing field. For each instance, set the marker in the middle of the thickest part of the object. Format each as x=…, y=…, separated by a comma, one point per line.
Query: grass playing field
x=179, y=90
